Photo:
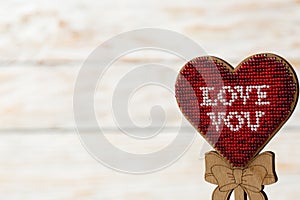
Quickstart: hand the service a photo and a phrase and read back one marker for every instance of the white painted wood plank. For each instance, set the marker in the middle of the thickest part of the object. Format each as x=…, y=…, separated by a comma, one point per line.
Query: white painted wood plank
x=55, y=166
x=42, y=31
x=43, y=44
x=42, y=97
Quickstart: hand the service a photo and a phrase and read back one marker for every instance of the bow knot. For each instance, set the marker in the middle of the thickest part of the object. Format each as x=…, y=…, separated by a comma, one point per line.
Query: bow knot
x=249, y=180
x=237, y=174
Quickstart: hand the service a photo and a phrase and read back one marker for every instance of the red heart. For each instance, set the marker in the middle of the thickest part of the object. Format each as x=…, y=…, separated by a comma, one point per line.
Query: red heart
x=237, y=110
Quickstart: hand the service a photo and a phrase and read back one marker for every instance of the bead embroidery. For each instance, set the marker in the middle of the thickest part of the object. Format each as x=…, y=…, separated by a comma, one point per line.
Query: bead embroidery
x=237, y=111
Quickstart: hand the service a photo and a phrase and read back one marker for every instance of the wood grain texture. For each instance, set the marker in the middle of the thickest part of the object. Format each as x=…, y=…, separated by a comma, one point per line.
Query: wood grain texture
x=44, y=31
x=54, y=166
x=42, y=97
x=246, y=183
x=43, y=44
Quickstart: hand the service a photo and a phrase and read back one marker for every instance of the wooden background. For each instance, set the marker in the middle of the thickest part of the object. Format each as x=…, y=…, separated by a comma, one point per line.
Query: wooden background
x=43, y=44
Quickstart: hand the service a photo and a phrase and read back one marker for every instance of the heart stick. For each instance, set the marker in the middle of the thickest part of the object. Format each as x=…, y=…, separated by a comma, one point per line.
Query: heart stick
x=238, y=111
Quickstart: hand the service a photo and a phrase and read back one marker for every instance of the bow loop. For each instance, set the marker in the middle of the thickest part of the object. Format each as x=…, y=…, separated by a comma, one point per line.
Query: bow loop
x=249, y=179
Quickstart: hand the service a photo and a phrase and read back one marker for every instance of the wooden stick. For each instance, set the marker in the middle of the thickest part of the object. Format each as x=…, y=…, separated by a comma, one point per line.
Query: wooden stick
x=239, y=193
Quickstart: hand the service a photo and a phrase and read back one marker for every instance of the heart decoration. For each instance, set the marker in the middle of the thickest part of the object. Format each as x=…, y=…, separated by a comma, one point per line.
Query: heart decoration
x=238, y=110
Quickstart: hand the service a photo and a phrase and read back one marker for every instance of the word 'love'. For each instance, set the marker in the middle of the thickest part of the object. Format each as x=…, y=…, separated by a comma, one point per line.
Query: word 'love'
x=226, y=96
x=236, y=92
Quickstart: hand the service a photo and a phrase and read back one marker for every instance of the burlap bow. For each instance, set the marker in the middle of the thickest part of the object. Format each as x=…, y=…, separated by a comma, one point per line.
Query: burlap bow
x=249, y=180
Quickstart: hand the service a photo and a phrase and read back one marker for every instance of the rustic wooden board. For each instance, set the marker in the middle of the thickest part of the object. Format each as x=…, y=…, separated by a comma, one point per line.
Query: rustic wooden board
x=53, y=31
x=44, y=43
x=54, y=165
x=42, y=97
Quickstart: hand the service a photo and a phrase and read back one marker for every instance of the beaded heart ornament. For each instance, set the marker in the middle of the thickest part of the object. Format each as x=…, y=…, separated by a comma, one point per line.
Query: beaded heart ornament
x=238, y=111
